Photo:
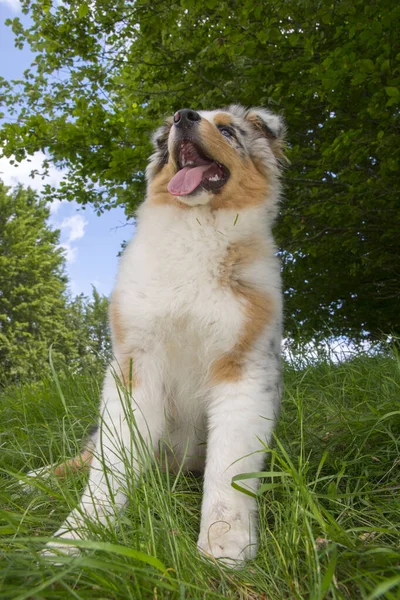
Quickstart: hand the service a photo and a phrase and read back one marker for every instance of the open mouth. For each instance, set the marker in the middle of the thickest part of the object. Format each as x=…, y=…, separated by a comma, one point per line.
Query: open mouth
x=196, y=171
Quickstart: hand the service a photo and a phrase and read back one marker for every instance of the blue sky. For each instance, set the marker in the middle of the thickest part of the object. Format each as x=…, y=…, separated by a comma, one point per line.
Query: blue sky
x=91, y=243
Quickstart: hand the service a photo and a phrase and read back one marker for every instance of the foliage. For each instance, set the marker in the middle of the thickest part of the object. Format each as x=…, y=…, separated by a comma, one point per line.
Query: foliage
x=329, y=527
x=103, y=79
x=32, y=284
x=88, y=319
x=36, y=313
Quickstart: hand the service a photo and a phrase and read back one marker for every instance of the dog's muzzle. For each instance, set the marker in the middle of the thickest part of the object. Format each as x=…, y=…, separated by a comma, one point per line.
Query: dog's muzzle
x=186, y=118
x=196, y=170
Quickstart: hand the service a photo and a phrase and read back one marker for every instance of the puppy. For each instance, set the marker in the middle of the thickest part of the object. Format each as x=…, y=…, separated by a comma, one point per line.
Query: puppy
x=196, y=319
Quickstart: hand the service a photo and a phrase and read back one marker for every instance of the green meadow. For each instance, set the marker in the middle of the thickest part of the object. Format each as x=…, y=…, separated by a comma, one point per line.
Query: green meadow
x=329, y=513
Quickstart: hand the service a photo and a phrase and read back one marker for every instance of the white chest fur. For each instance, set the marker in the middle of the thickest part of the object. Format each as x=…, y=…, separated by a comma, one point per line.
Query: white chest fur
x=174, y=280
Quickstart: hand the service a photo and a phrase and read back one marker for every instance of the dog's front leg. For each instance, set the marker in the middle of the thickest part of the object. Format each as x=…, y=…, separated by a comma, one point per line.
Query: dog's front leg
x=240, y=415
x=131, y=424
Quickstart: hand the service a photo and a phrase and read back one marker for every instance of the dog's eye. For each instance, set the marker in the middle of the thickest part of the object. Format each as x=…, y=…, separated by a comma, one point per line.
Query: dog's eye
x=226, y=131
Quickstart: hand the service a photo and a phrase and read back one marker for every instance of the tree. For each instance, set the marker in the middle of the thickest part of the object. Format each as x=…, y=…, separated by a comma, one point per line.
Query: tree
x=88, y=319
x=32, y=287
x=104, y=78
x=98, y=326
x=36, y=313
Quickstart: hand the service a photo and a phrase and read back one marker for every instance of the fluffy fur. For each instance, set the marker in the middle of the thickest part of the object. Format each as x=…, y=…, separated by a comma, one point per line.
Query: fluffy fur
x=196, y=329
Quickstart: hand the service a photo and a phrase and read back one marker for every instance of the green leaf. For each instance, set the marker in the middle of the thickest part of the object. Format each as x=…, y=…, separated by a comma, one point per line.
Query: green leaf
x=328, y=575
x=83, y=10
x=366, y=65
x=384, y=587
x=116, y=549
x=393, y=92
x=257, y=475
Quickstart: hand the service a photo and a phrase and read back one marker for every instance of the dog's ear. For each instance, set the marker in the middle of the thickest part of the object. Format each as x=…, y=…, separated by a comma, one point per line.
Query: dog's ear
x=160, y=156
x=159, y=139
x=269, y=124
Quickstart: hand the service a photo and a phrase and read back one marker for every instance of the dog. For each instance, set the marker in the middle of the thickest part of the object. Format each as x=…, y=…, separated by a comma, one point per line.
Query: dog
x=196, y=319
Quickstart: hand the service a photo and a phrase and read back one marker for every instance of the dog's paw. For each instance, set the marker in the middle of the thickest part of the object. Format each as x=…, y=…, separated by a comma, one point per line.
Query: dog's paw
x=53, y=551
x=64, y=541
x=57, y=548
x=230, y=543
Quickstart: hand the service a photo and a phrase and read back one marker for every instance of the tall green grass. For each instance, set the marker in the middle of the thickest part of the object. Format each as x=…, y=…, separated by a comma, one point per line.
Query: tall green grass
x=329, y=523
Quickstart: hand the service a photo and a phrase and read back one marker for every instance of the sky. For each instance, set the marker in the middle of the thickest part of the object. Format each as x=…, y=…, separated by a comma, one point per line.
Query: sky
x=91, y=243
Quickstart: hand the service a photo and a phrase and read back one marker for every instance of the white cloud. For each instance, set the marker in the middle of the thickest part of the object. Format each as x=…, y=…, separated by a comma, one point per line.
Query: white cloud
x=20, y=172
x=13, y=5
x=76, y=226
x=70, y=252
x=12, y=175
x=72, y=229
x=55, y=206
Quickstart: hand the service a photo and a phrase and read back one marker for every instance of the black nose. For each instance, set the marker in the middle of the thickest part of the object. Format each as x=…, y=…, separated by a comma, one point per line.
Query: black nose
x=186, y=118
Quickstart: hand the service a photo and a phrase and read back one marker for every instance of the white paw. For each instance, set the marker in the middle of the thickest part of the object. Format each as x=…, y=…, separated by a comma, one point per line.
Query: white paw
x=57, y=547
x=54, y=550
x=229, y=542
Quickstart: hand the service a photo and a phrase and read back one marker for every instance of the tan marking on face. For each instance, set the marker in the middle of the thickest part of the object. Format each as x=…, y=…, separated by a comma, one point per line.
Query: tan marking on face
x=222, y=119
x=117, y=328
x=259, y=311
x=81, y=462
x=247, y=186
x=216, y=146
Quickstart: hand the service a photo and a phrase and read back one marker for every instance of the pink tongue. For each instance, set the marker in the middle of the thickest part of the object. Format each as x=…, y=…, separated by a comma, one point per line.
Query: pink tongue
x=187, y=180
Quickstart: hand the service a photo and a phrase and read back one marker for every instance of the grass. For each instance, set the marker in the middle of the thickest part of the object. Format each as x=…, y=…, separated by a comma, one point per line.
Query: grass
x=329, y=528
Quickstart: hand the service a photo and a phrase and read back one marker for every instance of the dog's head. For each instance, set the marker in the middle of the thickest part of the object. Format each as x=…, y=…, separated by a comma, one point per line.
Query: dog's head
x=228, y=158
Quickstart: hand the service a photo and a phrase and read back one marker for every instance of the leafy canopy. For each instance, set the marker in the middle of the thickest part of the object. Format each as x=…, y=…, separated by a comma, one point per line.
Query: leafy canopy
x=104, y=77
